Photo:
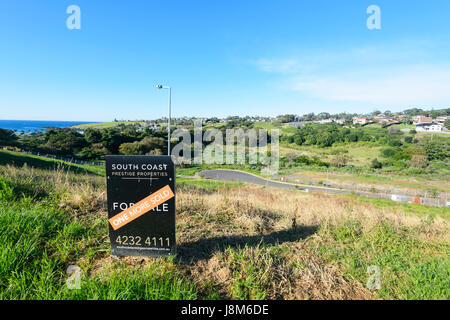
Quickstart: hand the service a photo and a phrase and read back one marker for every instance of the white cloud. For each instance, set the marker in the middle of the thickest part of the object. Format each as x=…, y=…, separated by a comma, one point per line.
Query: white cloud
x=414, y=85
x=278, y=65
x=391, y=75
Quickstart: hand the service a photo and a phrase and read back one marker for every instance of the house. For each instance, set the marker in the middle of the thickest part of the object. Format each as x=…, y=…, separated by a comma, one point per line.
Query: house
x=324, y=121
x=429, y=127
x=421, y=119
x=296, y=124
x=380, y=119
x=441, y=120
x=361, y=121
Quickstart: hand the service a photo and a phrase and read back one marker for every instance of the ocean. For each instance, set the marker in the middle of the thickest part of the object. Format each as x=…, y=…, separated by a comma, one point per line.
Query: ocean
x=36, y=125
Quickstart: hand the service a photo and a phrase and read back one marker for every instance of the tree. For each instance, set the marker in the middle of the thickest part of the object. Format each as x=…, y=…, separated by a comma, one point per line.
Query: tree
x=324, y=139
x=388, y=152
x=339, y=161
x=436, y=150
x=408, y=139
x=419, y=161
x=447, y=124
x=7, y=137
x=64, y=141
x=131, y=148
x=93, y=135
x=149, y=145
x=291, y=157
x=375, y=164
x=286, y=118
x=152, y=143
x=299, y=140
x=94, y=151
x=112, y=138
x=155, y=152
x=324, y=115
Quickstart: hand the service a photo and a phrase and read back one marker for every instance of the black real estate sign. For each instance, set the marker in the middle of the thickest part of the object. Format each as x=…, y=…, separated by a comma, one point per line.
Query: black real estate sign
x=141, y=205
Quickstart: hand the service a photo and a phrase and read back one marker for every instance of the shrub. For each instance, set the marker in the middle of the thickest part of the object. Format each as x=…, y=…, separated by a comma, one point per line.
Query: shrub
x=437, y=150
x=408, y=139
x=388, y=152
x=419, y=161
x=375, y=164
x=339, y=161
x=395, y=143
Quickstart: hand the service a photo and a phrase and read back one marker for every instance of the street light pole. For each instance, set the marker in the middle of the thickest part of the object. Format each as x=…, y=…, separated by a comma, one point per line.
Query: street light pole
x=169, y=113
x=168, y=127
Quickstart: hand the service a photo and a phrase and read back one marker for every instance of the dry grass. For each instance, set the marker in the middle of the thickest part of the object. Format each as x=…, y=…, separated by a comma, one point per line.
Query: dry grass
x=79, y=193
x=246, y=242
x=254, y=210
x=251, y=218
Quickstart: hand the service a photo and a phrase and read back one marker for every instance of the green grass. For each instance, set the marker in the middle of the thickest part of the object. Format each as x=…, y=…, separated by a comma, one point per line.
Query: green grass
x=43, y=231
x=39, y=241
x=285, y=129
x=19, y=159
x=37, y=244
x=359, y=153
x=250, y=267
x=104, y=125
x=410, y=268
x=154, y=282
x=191, y=171
x=34, y=243
x=205, y=184
x=411, y=208
x=336, y=177
x=188, y=171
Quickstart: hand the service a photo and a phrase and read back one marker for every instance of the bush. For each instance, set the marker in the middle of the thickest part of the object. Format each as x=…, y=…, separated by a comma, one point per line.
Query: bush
x=388, y=153
x=419, y=161
x=436, y=150
x=339, y=161
x=375, y=164
x=395, y=143
x=7, y=137
x=408, y=139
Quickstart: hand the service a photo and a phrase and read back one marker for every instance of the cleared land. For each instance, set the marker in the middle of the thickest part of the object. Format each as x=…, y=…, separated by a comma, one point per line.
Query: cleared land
x=378, y=183
x=361, y=153
x=105, y=125
x=234, y=241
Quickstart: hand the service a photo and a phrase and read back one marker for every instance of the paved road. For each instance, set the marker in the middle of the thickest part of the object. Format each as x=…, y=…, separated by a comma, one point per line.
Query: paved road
x=240, y=176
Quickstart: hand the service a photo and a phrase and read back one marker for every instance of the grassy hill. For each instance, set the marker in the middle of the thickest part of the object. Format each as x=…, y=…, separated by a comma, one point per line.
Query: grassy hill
x=234, y=241
x=104, y=125
x=19, y=159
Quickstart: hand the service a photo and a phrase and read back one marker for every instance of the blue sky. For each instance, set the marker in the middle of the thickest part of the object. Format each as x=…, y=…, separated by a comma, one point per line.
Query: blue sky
x=222, y=57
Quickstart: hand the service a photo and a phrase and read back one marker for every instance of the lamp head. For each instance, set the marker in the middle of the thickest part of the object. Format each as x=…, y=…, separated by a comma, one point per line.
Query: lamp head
x=159, y=86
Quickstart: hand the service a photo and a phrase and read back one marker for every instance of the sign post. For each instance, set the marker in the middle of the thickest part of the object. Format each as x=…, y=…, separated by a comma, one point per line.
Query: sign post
x=141, y=205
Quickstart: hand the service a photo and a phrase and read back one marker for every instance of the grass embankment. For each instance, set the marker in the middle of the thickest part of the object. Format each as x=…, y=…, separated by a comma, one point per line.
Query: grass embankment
x=105, y=125
x=20, y=159
x=191, y=171
x=234, y=241
x=372, y=182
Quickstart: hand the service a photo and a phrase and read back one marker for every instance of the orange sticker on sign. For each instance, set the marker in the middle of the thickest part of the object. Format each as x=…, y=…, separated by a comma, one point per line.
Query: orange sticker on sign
x=142, y=207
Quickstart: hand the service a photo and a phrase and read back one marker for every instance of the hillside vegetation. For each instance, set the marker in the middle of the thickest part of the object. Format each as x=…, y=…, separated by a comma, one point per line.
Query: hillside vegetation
x=234, y=241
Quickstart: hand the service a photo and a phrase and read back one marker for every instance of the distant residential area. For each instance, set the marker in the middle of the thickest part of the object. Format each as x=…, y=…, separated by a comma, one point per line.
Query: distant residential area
x=413, y=141
x=433, y=121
